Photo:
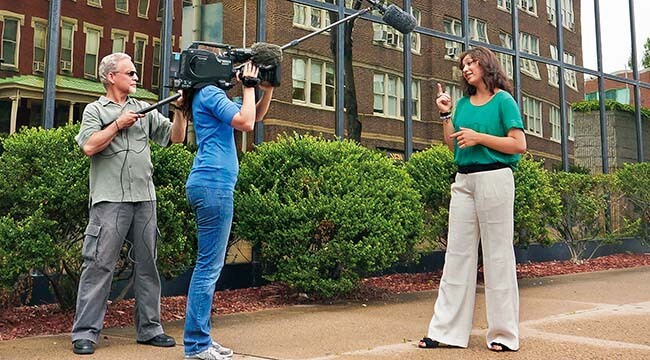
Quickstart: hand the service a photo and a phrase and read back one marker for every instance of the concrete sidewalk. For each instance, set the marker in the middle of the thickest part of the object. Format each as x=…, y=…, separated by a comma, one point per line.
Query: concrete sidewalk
x=603, y=315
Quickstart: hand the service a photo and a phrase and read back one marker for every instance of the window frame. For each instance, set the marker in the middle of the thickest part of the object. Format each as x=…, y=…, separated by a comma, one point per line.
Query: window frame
x=98, y=30
x=529, y=67
x=137, y=61
x=39, y=25
x=20, y=21
x=327, y=88
x=124, y=10
x=67, y=23
x=536, y=118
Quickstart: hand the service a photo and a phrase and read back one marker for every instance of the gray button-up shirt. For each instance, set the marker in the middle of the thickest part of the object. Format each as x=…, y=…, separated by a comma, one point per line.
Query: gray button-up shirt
x=123, y=172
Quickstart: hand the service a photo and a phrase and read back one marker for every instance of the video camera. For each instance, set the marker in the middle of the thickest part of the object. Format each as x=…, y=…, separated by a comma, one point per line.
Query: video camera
x=195, y=67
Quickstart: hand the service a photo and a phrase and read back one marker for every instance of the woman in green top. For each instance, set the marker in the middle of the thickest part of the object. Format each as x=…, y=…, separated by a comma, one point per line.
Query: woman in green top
x=486, y=135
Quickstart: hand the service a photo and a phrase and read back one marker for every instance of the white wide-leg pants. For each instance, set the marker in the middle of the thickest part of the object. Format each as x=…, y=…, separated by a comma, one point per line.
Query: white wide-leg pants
x=481, y=209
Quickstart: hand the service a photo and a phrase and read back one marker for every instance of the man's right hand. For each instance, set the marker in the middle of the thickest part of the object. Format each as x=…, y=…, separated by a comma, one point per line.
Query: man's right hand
x=127, y=119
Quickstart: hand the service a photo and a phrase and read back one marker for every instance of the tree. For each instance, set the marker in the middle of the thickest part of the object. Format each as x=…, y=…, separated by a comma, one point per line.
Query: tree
x=351, y=114
x=645, y=59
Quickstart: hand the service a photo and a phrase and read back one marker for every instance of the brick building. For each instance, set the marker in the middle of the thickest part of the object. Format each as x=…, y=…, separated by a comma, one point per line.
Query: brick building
x=621, y=92
x=89, y=30
x=305, y=101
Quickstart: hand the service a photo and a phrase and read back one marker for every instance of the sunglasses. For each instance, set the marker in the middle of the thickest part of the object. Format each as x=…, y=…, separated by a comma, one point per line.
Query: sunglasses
x=131, y=73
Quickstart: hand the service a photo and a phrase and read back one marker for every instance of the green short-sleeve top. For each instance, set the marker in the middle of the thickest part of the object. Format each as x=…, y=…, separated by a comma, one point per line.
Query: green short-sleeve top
x=496, y=117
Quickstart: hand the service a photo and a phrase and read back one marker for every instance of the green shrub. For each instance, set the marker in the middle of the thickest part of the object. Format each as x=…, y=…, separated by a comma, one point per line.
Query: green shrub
x=177, y=244
x=432, y=171
x=537, y=205
x=44, y=196
x=584, y=205
x=632, y=181
x=44, y=199
x=325, y=213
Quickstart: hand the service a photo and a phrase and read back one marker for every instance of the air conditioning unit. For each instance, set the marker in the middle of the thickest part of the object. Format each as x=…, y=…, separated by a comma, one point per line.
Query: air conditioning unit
x=550, y=16
x=66, y=65
x=39, y=66
x=379, y=35
x=452, y=51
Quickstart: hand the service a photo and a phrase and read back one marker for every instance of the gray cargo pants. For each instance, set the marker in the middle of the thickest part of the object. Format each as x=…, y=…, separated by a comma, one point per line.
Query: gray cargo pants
x=109, y=225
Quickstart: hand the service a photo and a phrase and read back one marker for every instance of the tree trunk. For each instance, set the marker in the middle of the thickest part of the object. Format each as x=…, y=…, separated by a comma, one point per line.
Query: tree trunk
x=350, y=91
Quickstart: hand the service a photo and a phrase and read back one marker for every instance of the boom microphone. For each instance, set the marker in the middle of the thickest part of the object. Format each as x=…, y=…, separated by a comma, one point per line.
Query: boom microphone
x=396, y=17
x=260, y=53
x=266, y=54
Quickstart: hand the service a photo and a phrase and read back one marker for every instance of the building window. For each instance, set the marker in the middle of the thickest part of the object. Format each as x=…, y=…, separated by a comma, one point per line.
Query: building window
x=455, y=92
x=529, y=44
x=477, y=32
x=92, y=51
x=143, y=8
x=389, y=37
x=67, y=42
x=10, y=36
x=453, y=27
x=532, y=110
x=569, y=75
x=389, y=96
x=122, y=6
x=415, y=99
x=95, y=3
x=529, y=6
x=568, y=20
x=313, y=82
x=309, y=17
x=161, y=10
x=119, y=38
x=504, y=59
x=555, y=120
x=504, y=5
x=40, y=39
x=138, y=56
x=155, y=72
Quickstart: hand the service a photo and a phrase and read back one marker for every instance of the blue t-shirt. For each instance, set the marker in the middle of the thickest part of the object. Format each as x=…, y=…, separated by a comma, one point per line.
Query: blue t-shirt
x=215, y=164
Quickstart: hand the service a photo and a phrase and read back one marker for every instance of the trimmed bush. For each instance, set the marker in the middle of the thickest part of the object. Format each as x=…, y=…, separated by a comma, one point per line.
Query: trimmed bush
x=432, y=171
x=325, y=213
x=584, y=205
x=632, y=181
x=537, y=204
x=44, y=200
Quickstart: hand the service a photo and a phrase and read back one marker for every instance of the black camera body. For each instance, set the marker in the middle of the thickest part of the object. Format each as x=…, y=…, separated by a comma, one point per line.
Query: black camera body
x=196, y=67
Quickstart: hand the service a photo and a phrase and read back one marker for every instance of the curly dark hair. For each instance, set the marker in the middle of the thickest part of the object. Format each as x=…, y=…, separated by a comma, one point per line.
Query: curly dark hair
x=186, y=106
x=493, y=75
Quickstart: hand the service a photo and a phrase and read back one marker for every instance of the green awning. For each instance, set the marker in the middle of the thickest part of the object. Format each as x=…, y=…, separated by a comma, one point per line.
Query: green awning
x=69, y=83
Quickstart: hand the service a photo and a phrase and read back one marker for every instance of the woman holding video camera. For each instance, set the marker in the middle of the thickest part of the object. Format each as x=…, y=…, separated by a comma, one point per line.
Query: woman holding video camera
x=209, y=189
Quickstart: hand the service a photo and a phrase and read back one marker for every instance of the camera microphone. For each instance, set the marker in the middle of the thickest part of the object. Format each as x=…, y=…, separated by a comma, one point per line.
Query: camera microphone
x=396, y=17
x=260, y=53
x=266, y=54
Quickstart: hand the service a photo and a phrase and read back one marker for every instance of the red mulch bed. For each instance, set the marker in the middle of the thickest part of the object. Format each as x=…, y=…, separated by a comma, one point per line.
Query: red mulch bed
x=49, y=319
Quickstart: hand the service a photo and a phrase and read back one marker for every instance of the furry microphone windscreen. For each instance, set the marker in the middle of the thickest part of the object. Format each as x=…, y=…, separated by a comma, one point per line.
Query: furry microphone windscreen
x=266, y=54
x=399, y=19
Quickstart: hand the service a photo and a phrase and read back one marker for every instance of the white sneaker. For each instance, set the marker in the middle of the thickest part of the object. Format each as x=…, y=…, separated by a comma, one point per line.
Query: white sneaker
x=210, y=354
x=222, y=350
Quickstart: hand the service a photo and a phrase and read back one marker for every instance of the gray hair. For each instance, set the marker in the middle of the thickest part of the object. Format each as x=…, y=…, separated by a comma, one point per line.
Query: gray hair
x=109, y=65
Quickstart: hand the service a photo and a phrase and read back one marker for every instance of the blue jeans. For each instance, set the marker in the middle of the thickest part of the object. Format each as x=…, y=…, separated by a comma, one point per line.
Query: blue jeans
x=214, y=211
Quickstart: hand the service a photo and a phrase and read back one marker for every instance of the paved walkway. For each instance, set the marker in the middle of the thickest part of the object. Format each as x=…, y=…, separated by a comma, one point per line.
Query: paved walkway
x=603, y=315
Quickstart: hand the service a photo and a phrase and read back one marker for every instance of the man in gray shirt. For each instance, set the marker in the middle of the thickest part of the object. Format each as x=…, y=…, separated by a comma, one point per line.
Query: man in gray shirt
x=122, y=203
